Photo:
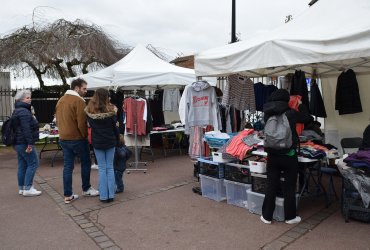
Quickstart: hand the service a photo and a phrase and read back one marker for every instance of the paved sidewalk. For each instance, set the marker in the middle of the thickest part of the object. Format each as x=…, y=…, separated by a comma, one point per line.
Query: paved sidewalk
x=158, y=210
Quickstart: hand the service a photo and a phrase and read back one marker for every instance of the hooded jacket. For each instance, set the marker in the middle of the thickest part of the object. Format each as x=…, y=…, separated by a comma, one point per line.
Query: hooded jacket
x=279, y=103
x=27, y=127
x=104, y=132
x=200, y=109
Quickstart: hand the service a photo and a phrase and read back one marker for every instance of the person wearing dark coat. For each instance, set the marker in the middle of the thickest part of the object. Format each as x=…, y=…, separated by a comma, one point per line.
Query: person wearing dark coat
x=102, y=118
x=283, y=162
x=26, y=134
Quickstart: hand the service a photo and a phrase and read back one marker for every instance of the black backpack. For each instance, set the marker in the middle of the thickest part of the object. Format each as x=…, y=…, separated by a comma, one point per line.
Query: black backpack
x=8, y=132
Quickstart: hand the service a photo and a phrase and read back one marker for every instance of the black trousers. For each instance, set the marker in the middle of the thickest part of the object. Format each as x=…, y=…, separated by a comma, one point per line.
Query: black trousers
x=281, y=166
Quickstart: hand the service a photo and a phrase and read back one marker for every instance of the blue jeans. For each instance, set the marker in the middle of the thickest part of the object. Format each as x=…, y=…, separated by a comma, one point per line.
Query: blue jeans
x=70, y=150
x=118, y=175
x=27, y=166
x=107, y=183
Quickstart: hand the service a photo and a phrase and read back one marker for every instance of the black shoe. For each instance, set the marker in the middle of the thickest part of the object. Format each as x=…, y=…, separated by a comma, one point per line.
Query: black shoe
x=105, y=201
x=197, y=190
x=110, y=200
x=119, y=191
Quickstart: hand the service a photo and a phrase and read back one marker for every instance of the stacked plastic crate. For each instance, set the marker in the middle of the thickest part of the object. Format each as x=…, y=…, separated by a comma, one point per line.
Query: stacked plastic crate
x=212, y=179
x=237, y=182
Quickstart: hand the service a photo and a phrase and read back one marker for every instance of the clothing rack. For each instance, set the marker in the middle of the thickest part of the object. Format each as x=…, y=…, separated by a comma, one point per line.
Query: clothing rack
x=134, y=165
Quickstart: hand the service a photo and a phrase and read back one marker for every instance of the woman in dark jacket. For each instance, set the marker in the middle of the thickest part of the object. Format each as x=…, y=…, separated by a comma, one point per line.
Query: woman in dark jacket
x=283, y=161
x=102, y=118
x=26, y=134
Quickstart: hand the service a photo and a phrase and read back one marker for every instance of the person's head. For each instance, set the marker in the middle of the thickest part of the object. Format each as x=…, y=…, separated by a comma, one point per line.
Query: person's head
x=23, y=95
x=99, y=103
x=280, y=95
x=80, y=86
x=121, y=139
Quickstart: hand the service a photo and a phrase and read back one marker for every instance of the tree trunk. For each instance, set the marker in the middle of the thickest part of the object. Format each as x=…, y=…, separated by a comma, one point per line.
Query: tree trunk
x=38, y=73
x=60, y=69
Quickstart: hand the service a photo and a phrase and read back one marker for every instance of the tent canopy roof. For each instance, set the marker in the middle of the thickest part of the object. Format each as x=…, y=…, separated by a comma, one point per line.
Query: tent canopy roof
x=330, y=36
x=140, y=69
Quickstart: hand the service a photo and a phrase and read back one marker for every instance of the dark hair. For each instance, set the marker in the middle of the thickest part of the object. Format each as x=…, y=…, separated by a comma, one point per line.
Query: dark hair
x=99, y=103
x=77, y=83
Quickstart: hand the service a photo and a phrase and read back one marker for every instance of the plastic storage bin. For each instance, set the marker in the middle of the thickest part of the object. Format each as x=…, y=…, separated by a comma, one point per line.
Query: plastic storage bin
x=211, y=168
x=238, y=173
x=212, y=188
x=236, y=193
x=217, y=157
x=257, y=166
x=255, y=202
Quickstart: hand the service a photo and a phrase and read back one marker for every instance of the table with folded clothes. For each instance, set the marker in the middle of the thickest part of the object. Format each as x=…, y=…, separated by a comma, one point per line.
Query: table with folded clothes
x=50, y=138
x=311, y=156
x=355, y=186
x=356, y=168
x=173, y=135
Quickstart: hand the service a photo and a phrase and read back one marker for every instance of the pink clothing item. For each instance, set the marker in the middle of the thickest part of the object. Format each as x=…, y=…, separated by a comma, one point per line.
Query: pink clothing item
x=237, y=147
x=134, y=115
x=294, y=104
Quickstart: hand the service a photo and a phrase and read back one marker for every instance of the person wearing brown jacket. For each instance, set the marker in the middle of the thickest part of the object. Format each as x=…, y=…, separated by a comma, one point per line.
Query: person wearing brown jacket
x=72, y=125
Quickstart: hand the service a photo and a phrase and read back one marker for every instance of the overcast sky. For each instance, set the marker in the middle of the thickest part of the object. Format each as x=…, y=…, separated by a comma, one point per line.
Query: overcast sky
x=173, y=26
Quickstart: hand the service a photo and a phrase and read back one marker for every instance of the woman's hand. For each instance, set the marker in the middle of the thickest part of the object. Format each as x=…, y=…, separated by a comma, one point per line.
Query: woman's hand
x=29, y=149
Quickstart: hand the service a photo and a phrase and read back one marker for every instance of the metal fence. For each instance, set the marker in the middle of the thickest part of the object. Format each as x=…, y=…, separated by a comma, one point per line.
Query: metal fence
x=43, y=103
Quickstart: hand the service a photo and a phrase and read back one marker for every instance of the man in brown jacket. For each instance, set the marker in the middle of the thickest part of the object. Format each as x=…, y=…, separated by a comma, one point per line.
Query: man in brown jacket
x=72, y=126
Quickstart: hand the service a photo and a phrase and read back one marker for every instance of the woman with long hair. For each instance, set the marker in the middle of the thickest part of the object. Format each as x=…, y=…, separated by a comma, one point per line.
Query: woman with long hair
x=102, y=118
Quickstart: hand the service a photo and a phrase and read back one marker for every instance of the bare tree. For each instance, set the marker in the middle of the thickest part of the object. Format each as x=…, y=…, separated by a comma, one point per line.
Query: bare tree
x=59, y=50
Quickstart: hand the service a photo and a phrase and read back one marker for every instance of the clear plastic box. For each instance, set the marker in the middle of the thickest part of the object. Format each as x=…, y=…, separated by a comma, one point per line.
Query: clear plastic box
x=212, y=188
x=236, y=193
x=255, y=202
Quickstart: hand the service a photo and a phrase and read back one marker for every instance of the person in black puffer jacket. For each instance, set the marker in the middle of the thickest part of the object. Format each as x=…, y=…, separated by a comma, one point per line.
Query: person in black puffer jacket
x=102, y=118
x=26, y=134
x=283, y=162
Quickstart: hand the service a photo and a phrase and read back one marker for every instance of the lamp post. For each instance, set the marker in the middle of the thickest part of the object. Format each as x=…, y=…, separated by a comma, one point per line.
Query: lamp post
x=233, y=35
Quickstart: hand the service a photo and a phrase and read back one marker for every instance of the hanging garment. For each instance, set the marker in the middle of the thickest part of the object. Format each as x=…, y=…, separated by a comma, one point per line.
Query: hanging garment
x=317, y=107
x=299, y=86
x=294, y=104
x=259, y=94
x=239, y=93
x=201, y=106
x=196, y=142
x=347, y=96
x=183, y=103
x=136, y=114
x=157, y=113
x=171, y=99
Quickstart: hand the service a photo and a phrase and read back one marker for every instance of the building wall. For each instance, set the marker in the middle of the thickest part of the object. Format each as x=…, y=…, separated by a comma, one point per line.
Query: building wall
x=6, y=99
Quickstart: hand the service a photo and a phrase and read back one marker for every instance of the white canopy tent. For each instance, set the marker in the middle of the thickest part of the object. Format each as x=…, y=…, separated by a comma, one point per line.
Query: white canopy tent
x=330, y=36
x=140, y=69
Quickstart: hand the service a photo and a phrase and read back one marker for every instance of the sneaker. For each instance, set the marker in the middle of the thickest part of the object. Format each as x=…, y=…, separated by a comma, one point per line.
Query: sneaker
x=20, y=192
x=71, y=198
x=296, y=220
x=31, y=192
x=264, y=220
x=91, y=192
x=94, y=166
